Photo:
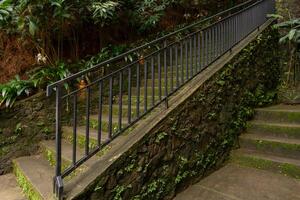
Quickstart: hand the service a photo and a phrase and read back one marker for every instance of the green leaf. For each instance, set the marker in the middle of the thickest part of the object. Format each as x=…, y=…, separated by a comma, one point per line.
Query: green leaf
x=276, y=16
x=32, y=28
x=292, y=34
x=283, y=39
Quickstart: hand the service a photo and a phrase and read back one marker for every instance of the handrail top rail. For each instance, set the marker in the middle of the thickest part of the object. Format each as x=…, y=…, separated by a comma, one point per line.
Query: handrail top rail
x=50, y=87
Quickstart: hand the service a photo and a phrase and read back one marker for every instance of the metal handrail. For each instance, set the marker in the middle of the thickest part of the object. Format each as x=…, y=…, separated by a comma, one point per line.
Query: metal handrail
x=141, y=86
x=96, y=67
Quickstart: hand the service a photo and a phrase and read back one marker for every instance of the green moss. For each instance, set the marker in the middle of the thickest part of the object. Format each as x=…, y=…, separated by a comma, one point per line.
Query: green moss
x=104, y=150
x=115, y=110
x=93, y=143
x=105, y=125
x=250, y=161
x=276, y=130
x=279, y=115
x=26, y=186
x=271, y=145
x=50, y=156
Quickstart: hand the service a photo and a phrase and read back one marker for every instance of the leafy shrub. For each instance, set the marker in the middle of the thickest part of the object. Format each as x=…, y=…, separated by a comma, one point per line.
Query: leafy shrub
x=147, y=13
x=103, y=12
x=14, y=89
x=49, y=75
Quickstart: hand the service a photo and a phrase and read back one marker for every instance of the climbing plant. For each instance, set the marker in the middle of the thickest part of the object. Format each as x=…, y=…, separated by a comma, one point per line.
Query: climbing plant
x=290, y=36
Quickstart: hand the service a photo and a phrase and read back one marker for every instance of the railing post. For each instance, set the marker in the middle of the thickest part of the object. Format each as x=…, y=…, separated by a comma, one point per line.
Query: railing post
x=166, y=74
x=58, y=183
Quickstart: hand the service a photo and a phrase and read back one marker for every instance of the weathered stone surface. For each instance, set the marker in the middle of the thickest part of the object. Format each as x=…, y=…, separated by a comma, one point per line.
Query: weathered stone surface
x=242, y=183
x=9, y=189
x=23, y=126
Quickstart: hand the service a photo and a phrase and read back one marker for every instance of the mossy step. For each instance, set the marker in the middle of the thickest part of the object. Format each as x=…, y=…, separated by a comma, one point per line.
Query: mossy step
x=286, y=166
x=156, y=80
x=81, y=137
x=289, y=148
x=150, y=91
x=49, y=151
x=142, y=100
x=115, y=110
x=105, y=123
x=279, y=114
x=274, y=129
x=35, y=177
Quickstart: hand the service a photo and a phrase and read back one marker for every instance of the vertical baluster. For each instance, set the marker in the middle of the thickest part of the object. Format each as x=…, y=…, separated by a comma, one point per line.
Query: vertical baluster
x=87, y=132
x=191, y=57
x=100, y=113
x=110, y=103
x=230, y=34
x=120, y=100
x=210, y=45
x=218, y=36
x=202, y=51
x=224, y=36
x=129, y=95
x=235, y=30
x=171, y=66
x=166, y=69
x=233, y=42
x=146, y=86
x=219, y=39
x=176, y=64
x=159, y=76
x=199, y=52
x=181, y=62
x=153, y=81
x=74, y=128
x=213, y=30
x=227, y=34
x=206, y=47
x=186, y=60
x=138, y=90
x=195, y=53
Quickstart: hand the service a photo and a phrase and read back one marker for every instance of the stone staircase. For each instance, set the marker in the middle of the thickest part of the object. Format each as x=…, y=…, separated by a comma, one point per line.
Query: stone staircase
x=272, y=141
x=35, y=173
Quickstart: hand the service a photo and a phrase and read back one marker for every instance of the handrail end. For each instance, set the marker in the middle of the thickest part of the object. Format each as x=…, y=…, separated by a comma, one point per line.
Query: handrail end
x=49, y=90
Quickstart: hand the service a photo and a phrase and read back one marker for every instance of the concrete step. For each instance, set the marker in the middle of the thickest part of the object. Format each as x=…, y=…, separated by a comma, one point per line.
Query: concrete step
x=150, y=91
x=35, y=177
x=274, y=129
x=105, y=123
x=269, y=162
x=10, y=189
x=279, y=114
x=142, y=100
x=49, y=151
x=81, y=137
x=285, y=147
x=115, y=109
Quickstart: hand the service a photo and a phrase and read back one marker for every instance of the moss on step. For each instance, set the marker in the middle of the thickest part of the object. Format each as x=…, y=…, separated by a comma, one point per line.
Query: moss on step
x=25, y=184
x=288, y=131
x=105, y=124
x=80, y=140
x=259, y=163
x=115, y=110
x=93, y=143
x=278, y=116
x=50, y=155
x=281, y=148
x=103, y=151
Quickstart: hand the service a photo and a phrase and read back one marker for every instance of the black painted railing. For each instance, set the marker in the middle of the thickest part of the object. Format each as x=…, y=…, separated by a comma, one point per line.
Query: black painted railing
x=111, y=96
